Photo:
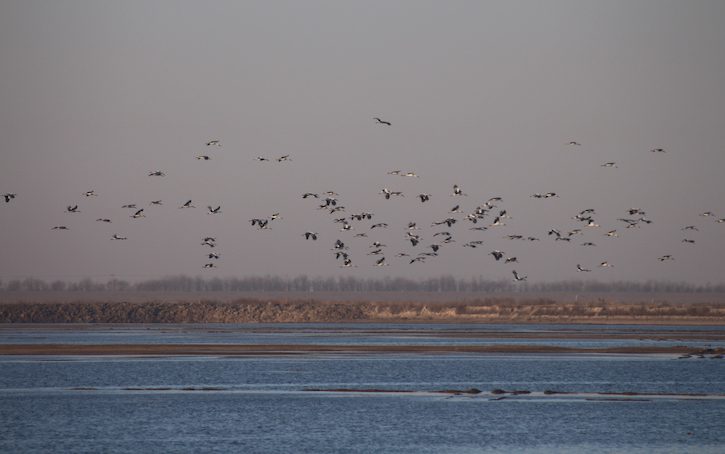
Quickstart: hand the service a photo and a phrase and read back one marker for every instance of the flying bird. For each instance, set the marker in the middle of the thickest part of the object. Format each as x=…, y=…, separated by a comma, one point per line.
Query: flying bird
x=203, y=157
x=214, y=142
x=212, y=210
x=72, y=209
x=517, y=277
x=90, y=193
x=138, y=214
x=118, y=237
x=60, y=227
x=310, y=235
x=157, y=173
x=187, y=205
x=9, y=196
x=381, y=122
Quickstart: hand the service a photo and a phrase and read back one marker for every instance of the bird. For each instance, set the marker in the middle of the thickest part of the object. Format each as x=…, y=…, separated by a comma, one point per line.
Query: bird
x=511, y=260
x=457, y=190
x=387, y=193
x=381, y=122
x=214, y=142
x=129, y=205
x=690, y=227
x=262, y=159
x=606, y=265
x=284, y=158
x=395, y=172
x=410, y=174
x=310, y=194
x=9, y=196
x=118, y=237
x=517, y=277
x=213, y=256
x=90, y=193
x=60, y=227
x=209, y=241
x=665, y=258
x=579, y=268
x=658, y=150
x=72, y=209
x=379, y=225
x=157, y=173
x=612, y=234
x=212, y=210
x=210, y=265
x=573, y=142
x=424, y=197
x=381, y=262
x=106, y=220
x=609, y=164
x=138, y=214
x=497, y=254
x=588, y=243
x=689, y=241
x=187, y=205
x=203, y=157
x=310, y=235
x=156, y=202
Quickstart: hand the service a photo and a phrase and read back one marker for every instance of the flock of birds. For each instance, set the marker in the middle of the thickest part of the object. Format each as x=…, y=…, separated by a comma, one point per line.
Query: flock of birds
x=489, y=215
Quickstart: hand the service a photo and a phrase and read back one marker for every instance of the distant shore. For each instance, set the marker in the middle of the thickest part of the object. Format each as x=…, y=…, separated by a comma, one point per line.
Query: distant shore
x=486, y=310
x=297, y=349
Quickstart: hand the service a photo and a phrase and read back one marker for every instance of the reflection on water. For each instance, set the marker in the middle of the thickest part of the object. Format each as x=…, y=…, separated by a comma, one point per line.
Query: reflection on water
x=263, y=404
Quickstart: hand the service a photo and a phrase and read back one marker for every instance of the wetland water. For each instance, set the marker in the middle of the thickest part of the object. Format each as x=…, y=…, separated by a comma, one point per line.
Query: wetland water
x=297, y=403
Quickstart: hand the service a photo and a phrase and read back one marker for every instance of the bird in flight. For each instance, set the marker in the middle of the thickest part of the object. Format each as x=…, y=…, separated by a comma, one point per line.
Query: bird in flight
x=138, y=214
x=214, y=142
x=203, y=157
x=216, y=210
x=573, y=142
x=72, y=209
x=310, y=235
x=9, y=196
x=157, y=173
x=60, y=227
x=187, y=205
x=106, y=220
x=381, y=122
x=90, y=193
x=517, y=277
x=118, y=237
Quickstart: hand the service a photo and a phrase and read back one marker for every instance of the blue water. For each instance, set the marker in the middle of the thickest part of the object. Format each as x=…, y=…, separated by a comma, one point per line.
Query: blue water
x=265, y=404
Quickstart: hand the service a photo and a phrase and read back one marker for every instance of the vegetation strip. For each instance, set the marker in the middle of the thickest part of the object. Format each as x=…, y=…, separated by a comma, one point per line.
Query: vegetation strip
x=280, y=349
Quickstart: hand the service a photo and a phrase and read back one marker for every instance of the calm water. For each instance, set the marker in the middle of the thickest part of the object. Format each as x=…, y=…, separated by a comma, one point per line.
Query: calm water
x=262, y=404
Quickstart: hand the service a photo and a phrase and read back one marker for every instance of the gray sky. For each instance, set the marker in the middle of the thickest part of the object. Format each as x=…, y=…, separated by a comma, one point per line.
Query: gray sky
x=95, y=94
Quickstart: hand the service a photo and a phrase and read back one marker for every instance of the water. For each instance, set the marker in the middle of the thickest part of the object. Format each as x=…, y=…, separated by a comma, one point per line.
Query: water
x=264, y=404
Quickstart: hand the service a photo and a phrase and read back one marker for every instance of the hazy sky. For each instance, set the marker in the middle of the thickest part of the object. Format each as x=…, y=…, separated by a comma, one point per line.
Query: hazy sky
x=485, y=94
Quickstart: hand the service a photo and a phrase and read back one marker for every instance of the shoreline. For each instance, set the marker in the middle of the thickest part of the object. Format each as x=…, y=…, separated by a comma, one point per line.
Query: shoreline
x=296, y=349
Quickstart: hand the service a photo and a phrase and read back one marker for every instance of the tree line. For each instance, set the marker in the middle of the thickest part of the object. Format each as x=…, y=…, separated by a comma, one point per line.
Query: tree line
x=350, y=284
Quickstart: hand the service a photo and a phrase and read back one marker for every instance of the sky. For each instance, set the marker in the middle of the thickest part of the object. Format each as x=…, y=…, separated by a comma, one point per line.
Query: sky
x=94, y=95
